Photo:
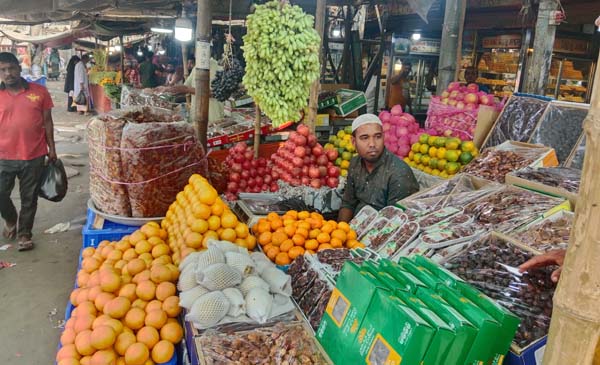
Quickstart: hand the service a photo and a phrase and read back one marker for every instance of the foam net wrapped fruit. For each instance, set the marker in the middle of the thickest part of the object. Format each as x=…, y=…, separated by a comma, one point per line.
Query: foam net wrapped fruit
x=197, y=215
x=126, y=303
x=283, y=238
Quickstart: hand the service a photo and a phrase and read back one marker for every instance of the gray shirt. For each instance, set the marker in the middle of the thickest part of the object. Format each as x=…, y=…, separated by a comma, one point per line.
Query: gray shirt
x=390, y=181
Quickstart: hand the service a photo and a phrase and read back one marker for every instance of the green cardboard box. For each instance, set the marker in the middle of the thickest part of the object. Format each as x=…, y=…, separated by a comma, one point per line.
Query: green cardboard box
x=392, y=268
x=349, y=101
x=345, y=311
x=391, y=334
x=448, y=277
x=444, y=335
x=420, y=272
x=482, y=349
x=508, y=321
x=465, y=331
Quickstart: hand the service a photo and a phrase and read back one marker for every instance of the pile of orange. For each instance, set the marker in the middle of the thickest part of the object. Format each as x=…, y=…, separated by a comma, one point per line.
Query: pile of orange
x=199, y=214
x=283, y=238
x=126, y=303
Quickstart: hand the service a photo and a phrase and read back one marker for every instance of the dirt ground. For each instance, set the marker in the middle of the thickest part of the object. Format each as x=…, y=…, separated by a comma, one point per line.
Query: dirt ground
x=34, y=292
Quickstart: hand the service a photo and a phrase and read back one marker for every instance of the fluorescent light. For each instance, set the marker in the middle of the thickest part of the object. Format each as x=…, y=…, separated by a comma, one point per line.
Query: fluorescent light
x=149, y=47
x=118, y=48
x=398, y=66
x=111, y=49
x=161, y=30
x=183, y=29
x=336, y=33
x=416, y=36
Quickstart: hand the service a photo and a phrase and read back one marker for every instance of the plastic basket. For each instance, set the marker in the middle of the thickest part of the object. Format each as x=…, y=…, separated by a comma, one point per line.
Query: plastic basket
x=110, y=231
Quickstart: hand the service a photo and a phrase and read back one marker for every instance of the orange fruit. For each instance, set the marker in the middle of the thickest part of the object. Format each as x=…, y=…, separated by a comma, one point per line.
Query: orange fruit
x=156, y=318
x=104, y=357
x=148, y=336
x=327, y=228
x=336, y=243
x=103, y=337
x=67, y=352
x=153, y=305
x=351, y=243
x=208, y=195
x=228, y=234
x=313, y=233
x=82, y=278
x=311, y=244
x=351, y=235
x=344, y=226
x=160, y=249
x=214, y=222
x=359, y=245
x=324, y=246
x=201, y=211
x=88, y=252
x=165, y=290
x=272, y=252
x=278, y=238
x=295, y=252
x=323, y=238
x=282, y=259
x=302, y=232
x=315, y=223
x=134, y=318
x=145, y=290
x=172, y=332
x=67, y=337
x=272, y=216
x=304, y=225
x=278, y=223
x=83, y=322
x=160, y=273
x=162, y=352
x=124, y=340
x=265, y=238
x=241, y=230
x=90, y=264
x=193, y=240
x=137, y=354
x=229, y=220
x=303, y=215
x=102, y=299
x=250, y=242
x=286, y=245
x=171, y=306
x=217, y=209
x=128, y=291
x=289, y=230
x=142, y=247
x=292, y=213
x=310, y=252
x=298, y=240
x=117, y=308
x=316, y=215
x=339, y=234
x=83, y=343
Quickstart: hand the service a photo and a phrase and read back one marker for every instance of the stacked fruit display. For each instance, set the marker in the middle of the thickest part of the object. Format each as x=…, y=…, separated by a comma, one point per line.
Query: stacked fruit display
x=247, y=174
x=126, y=303
x=441, y=156
x=301, y=160
x=342, y=143
x=401, y=130
x=199, y=214
x=283, y=238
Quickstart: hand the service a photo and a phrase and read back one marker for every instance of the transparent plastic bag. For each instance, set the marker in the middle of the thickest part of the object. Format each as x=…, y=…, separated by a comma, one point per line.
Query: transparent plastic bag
x=277, y=345
x=560, y=128
x=520, y=116
x=402, y=237
x=491, y=265
x=551, y=233
x=559, y=177
x=510, y=208
x=493, y=164
x=460, y=122
x=147, y=97
x=576, y=161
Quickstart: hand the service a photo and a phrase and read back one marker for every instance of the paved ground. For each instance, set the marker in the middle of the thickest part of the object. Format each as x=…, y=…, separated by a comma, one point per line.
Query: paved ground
x=34, y=293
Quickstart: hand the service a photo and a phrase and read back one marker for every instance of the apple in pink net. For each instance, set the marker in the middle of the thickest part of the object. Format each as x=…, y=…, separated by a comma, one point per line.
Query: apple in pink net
x=471, y=98
x=396, y=110
x=473, y=88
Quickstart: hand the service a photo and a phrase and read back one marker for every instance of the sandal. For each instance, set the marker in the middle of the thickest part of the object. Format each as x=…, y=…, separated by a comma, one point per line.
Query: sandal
x=25, y=245
x=10, y=233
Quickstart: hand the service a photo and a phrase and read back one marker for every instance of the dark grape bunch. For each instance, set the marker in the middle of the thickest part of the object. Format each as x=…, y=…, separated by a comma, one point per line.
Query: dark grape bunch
x=226, y=82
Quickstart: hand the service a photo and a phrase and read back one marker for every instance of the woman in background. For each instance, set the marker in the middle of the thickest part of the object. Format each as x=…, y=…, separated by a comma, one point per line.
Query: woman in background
x=70, y=82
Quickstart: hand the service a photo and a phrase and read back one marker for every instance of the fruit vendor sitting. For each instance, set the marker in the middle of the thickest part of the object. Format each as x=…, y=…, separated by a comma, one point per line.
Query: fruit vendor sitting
x=376, y=177
x=471, y=75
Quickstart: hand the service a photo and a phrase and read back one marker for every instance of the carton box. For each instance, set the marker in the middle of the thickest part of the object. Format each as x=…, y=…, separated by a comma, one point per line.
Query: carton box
x=411, y=281
x=349, y=101
x=464, y=331
x=444, y=335
x=420, y=272
x=391, y=334
x=482, y=350
x=486, y=117
x=547, y=155
x=507, y=320
x=447, y=277
x=346, y=310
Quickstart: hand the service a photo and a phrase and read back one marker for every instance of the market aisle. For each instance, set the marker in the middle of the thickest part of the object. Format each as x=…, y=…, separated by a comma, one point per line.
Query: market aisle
x=34, y=292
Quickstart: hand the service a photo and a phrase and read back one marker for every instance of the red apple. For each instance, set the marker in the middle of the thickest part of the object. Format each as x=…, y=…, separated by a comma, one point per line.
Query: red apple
x=312, y=140
x=303, y=130
x=235, y=177
x=322, y=171
x=305, y=180
x=333, y=171
x=322, y=160
x=315, y=183
x=299, y=151
x=332, y=182
x=332, y=154
x=313, y=172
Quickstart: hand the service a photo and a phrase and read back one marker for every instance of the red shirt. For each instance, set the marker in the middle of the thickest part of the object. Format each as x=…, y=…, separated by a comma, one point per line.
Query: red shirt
x=22, y=133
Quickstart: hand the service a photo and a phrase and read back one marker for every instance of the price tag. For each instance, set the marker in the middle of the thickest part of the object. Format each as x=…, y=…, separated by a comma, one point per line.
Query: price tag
x=203, y=55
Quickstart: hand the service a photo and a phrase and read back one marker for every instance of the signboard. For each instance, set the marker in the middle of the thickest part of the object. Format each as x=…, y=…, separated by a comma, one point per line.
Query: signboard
x=572, y=46
x=502, y=41
x=425, y=46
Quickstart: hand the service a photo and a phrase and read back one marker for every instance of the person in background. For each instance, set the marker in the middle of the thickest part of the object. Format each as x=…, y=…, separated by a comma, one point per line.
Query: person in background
x=191, y=62
x=471, y=75
x=132, y=76
x=376, y=177
x=175, y=76
x=81, y=83
x=399, y=91
x=149, y=72
x=27, y=138
x=70, y=82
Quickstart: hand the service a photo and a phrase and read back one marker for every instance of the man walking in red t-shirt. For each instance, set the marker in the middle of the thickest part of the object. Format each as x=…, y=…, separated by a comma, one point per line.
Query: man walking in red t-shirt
x=26, y=137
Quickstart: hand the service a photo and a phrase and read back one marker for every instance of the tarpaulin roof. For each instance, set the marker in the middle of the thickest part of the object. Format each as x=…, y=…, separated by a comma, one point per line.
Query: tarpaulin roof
x=51, y=40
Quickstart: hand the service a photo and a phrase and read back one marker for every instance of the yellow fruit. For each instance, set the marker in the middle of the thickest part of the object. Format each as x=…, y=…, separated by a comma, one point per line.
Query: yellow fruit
x=172, y=332
x=201, y=211
x=137, y=354
x=229, y=220
x=208, y=195
x=134, y=318
x=145, y=290
x=103, y=337
x=214, y=223
x=228, y=234
x=441, y=153
x=199, y=226
x=218, y=208
x=345, y=164
x=241, y=230
x=128, y=291
x=160, y=250
x=162, y=352
x=148, y=336
x=160, y=273
x=83, y=343
x=124, y=340
x=424, y=149
x=117, y=308
x=171, y=306
x=432, y=152
x=156, y=318
x=164, y=290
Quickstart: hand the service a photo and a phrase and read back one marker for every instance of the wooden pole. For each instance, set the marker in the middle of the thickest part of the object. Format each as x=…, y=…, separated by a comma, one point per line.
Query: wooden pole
x=122, y=59
x=543, y=44
x=451, y=33
x=316, y=86
x=575, y=326
x=459, y=46
x=184, y=59
x=256, y=131
x=202, y=79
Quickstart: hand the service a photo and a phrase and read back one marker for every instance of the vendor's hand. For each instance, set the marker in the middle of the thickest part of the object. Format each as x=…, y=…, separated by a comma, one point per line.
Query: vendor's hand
x=554, y=257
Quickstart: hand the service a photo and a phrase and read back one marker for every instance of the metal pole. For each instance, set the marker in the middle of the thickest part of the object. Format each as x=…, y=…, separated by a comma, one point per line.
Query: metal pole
x=314, y=89
x=202, y=79
x=122, y=59
x=450, y=36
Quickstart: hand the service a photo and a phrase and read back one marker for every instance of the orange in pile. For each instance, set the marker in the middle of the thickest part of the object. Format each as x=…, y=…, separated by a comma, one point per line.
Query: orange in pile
x=283, y=238
x=199, y=214
x=126, y=303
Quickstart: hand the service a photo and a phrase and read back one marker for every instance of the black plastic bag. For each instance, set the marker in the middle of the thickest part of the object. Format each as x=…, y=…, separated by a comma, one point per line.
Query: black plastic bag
x=81, y=99
x=54, y=183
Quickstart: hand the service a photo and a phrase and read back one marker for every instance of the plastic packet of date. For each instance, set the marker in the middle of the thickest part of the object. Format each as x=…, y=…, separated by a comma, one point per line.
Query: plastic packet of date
x=491, y=265
x=147, y=97
x=510, y=208
x=442, y=189
x=400, y=239
x=517, y=121
x=560, y=128
x=494, y=164
x=551, y=233
x=437, y=216
x=158, y=159
x=363, y=219
x=560, y=177
x=383, y=229
x=277, y=345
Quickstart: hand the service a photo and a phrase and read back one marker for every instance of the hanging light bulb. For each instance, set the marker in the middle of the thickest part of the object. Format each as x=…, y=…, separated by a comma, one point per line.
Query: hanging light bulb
x=183, y=28
x=118, y=48
x=416, y=36
x=139, y=51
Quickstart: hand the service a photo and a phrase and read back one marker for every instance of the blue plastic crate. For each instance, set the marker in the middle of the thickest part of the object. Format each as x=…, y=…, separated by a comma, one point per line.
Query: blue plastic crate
x=110, y=231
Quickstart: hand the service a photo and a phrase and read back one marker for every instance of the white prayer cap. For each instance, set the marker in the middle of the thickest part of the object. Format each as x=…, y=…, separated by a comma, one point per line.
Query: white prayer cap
x=365, y=119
